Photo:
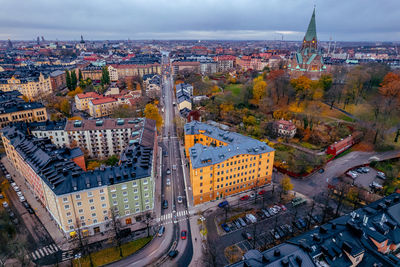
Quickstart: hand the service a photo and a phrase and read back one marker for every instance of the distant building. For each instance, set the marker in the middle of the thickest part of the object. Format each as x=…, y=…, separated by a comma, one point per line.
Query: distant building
x=284, y=128
x=184, y=94
x=58, y=80
x=14, y=109
x=32, y=87
x=308, y=61
x=225, y=63
x=152, y=84
x=192, y=66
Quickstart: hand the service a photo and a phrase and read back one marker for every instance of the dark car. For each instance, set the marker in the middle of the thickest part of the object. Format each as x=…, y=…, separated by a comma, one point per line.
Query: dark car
x=302, y=222
x=261, y=215
x=183, y=234
x=26, y=205
x=173, y=253
x=321, y=170
x=225, y=227
x=298, y=225
x=316, y=219
x=275, y=234
x=165, y=204
x=280, y=232
x=223, y=204
x=247, y=235
x=246, y=220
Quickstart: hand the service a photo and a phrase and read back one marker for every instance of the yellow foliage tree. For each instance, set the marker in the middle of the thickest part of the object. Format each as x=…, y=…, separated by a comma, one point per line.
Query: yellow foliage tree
x=259, y=89
x=286, y=184
x=151, y=112
x=65, y=107
x=73, y=93
x=74, y=118
x=93, y=165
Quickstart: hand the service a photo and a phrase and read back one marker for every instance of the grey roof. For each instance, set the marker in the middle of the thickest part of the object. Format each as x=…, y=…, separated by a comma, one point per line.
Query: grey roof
x=237, y=144
x=12, y=102
x=56, y=168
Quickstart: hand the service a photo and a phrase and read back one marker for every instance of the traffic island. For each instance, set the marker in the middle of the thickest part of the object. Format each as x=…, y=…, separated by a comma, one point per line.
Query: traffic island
x=110, y=255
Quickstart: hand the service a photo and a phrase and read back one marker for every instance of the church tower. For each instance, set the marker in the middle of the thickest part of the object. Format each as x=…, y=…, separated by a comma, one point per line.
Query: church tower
x=308, y=60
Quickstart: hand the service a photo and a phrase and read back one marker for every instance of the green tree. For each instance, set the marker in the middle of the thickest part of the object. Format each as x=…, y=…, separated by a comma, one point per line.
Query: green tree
x=325, y=82
x=80, y=75
x=286, y=184
x=112, y=161
x=68, y=79
x=74, y=80
x=105, y=76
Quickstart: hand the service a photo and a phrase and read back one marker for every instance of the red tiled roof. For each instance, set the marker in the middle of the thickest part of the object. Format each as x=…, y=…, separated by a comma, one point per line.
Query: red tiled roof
x=103, y=100
x=88, y=94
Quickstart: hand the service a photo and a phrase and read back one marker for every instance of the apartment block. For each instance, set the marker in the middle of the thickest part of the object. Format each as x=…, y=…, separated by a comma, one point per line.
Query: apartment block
x=14, y=109
x=102, y=107
x=82, y=100
x=98, y=138
x=77, y=199
x=223, y=163
x=32, y=87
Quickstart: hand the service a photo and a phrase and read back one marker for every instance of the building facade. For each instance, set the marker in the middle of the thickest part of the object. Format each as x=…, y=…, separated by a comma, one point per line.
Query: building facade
x=81, y=201
x=82, y=100
x=31, y=87
x=14, y=109
x=223, y=163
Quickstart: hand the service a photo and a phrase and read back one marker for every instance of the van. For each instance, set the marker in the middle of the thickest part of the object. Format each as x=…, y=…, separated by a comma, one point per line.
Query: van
x=161, y=231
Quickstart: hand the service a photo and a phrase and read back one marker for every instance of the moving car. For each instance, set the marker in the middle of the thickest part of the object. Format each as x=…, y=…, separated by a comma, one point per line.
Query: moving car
x=168, y=171
x=183, y=234
x=180, y=199
x=262, y=192
x=161, y=231
x=168, y=182
x=174, y=167
x=223, y=204
x=165, y=204
x=173, y=253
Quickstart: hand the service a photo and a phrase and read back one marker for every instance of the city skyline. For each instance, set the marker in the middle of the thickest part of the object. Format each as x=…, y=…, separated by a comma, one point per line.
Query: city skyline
x=208, y=20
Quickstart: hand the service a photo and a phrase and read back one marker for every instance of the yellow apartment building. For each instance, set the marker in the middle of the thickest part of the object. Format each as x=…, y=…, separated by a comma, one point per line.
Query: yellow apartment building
x=102, y=106
x=32, y=87
x=82, y=100
x=223, y=163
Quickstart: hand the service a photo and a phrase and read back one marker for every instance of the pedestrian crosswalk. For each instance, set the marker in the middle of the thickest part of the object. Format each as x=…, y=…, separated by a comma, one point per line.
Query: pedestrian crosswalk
x=44, y=251
x=67, y=255
x=171, y=215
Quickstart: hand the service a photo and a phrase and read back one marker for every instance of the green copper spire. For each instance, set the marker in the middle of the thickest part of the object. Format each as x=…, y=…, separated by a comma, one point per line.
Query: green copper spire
x=311, y=33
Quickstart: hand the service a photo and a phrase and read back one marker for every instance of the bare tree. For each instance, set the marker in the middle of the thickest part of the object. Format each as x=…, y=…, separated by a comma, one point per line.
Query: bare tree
x=148, y=218
x=116, y=226
x=82, y=240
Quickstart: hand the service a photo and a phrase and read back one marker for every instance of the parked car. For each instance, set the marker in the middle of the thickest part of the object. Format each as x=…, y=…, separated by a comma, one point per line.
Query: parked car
x=283, y=207
x=180, y=199
x=19, y=194
x=262, y=192
x=174, y=167
x=298, y=225
x=242, y=222
x=226, y=227
x=289, y=228
x=261, y=215
x=266, y=213
x=30, y=210
x=173, y=253
x=352, y=174
x=251, y=217
x=223, y=204
x=321, y=170
x=246, y=197
x=21, y=198
x=375, y=185
x=247, y=221
x=16, y=189
x=381, y=175
x=359, y=170
x=26, y=205
x=11, y=214
x=298, y=201
x=316, y=219
x=1, y=196
x=272, y=211
x=5, y=204
x=365, y=169
x=280, y=232
x=252, y=195
x=8, y=176
x=247, y=235
x=302, y=222
x=165, y=204
x=278, y=208
x=237, y=223
x=183, y=234
x=161, y=230
x=275, y=234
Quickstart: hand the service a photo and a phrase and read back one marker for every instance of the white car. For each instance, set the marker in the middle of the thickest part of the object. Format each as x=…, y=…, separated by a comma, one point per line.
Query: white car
x=22, y=198
x=180, y=199
x=5, y=205
x=16, y=188
x=19, y=194
x=352, y=174
x=251, y=218
x=168, y=182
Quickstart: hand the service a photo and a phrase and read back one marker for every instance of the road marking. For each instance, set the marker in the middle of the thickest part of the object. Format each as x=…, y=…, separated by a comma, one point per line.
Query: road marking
x=45, y=251
x=38, y=254
x=41, y=252
x=34, y=256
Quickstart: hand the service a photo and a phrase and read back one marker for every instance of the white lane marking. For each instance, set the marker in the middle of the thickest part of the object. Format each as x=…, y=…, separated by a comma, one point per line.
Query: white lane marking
x=34, y=256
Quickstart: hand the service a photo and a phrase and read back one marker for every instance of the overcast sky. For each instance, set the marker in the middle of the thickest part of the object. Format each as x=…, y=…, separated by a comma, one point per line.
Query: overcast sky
x=344, y=20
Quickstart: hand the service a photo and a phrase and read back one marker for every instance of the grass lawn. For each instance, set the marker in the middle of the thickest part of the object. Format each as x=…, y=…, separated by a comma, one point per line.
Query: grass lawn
x=234, y=88
x=109, y=255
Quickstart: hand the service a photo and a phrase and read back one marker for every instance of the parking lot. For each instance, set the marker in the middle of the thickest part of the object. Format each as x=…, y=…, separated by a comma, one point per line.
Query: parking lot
x=366, y=179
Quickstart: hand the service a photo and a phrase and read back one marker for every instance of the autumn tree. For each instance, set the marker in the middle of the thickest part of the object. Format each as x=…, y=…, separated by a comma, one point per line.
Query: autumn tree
x=73, y=93
x=355, y=81
x=302, y=87
x=286, y=184
x=151, y=112
x=65, y=107
x=390, y=91
x=92, y=165
x=259, y=89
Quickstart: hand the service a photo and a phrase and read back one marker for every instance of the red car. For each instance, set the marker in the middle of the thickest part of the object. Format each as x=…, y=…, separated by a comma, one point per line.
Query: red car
x=246, y=197
x=282, y=207
x=262, y=192
x=183, y=234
